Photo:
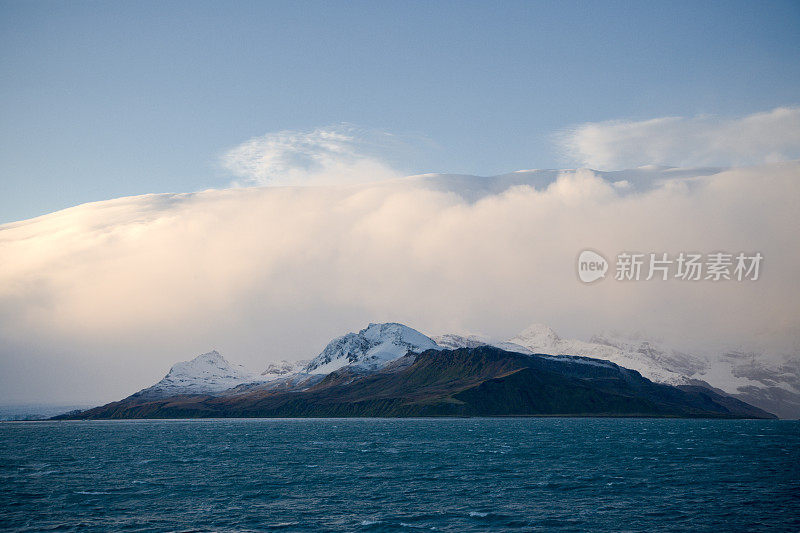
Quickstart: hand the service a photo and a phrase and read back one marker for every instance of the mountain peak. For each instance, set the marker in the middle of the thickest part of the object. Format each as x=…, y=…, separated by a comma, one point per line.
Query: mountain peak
x=371, y=348
x=537, y=337
x=207, y=373
x=213, y=355
x=204, y=362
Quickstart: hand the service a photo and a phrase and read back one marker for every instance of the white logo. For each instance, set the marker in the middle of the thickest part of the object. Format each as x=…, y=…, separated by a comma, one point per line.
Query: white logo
x=591, y=266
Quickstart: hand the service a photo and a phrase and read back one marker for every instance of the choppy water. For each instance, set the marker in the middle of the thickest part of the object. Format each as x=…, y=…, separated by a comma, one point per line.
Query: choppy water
x=384, y=475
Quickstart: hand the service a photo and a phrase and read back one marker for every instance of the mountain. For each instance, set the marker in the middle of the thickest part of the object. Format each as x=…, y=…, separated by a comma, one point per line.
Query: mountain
x=751, y=377
x=754, y=378
x=370, y=349
x=540, y=338
x=654, y=362
x=481, y=381
x=205, y=374
x=390, y=349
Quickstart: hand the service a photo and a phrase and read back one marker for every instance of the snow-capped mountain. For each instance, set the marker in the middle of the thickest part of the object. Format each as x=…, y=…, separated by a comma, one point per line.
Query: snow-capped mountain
x=656, y=363
x=770, y=384
x=482, y=381
x=653, y=361
x=370, y=349
x=774, y=387
x=205, y=374
x=756, y=379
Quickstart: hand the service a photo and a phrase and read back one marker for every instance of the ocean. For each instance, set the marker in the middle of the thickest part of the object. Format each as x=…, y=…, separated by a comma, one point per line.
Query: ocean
x=469, y=474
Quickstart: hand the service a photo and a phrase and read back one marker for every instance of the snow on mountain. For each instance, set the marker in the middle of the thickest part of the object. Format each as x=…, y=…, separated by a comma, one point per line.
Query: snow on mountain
x=773, y=386
x=759, y=379
x=655, y=362
x=205, y=374
x=370, y=349
x=657, y=354
x=280, y=369
x=453, y=341
x=537, y=337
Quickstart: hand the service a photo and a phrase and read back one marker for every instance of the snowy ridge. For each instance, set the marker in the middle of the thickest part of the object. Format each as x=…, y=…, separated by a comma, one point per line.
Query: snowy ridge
x=654, y=362
x=370, y=349
x=651, y=361
x=773, y=386
x=281, y=369
x=452, y=341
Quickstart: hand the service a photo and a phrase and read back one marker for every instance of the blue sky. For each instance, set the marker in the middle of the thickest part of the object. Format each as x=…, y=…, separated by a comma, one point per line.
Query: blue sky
x=101, y=99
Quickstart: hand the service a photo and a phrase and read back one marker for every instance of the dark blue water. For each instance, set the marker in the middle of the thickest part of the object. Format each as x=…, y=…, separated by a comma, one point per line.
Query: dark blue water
x=529, y=474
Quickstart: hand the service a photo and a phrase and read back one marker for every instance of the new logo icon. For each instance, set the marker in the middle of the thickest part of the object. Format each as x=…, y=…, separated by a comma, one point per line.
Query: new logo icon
x=591, y=266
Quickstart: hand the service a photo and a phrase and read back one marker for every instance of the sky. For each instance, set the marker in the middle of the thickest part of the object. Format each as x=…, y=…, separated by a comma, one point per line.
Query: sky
x=180, y=177
x=107, y=99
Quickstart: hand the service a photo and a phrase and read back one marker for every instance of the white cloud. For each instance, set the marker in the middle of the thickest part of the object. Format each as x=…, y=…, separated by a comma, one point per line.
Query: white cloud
x=98, y=300
x=678, y=141
x=334, y=155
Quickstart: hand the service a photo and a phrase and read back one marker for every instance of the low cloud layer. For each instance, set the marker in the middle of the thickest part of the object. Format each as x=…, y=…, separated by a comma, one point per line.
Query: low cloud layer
x=759, y=138
x=99, y=300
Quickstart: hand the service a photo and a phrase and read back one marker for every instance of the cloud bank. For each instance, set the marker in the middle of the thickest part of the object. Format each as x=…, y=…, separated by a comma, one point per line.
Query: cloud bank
x=333, y=155
x=99, y=300
x=759, y=138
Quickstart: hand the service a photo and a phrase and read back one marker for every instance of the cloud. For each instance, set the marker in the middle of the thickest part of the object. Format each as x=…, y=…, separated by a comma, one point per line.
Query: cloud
x=678, y=141
x=98, y=300
x=334, y=155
